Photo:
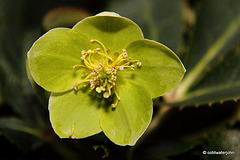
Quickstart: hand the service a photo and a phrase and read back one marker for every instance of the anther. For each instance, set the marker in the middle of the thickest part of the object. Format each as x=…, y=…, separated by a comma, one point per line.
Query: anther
x=98, y=89
x=132, y=67
x=125, y=54
x=83, y=56
x=114, y=70
x=83, y=52
x=72, y=137
x=92, y=86
x=99, y=76
x=106, y=95
x=139, y=64
x=102, y=88
x=75, y=86
x=121, y=68
x=94, y=71
x=108, y=70
x=115, y=104
x=100, y=64
x=114, y=78
x=78, y=65
x=113, y=84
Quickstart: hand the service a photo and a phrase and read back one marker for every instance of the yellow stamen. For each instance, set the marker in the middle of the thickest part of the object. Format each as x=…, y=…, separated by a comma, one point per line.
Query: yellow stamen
x=72, y=137
x=105, y=56
x=88, y=65
x=115, y=104
x=109, y=89
x=100, y=43
x=120, y=61
x=103, y=68
x=105, y=83
x=116, y=94
x=77, y=84
x=72, y=130
x=90, y=62
x=135, y=61
x=119, y=58
x=78, y=65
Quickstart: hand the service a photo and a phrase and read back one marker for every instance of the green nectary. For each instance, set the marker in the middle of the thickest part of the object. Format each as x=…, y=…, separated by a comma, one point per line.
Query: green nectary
x=103, y=75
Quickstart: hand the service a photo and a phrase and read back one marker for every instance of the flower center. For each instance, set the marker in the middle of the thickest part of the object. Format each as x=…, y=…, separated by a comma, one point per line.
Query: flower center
x=103, y=68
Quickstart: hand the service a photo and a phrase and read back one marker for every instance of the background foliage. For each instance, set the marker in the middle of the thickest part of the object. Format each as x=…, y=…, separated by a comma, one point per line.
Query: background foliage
x=201, y=114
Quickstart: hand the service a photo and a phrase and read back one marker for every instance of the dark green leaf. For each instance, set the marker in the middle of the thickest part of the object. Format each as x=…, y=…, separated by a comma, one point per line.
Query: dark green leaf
x=159, y=19
x=227, y=145
x=221, y=84
x=20, y=133
x=214, y=37
x=63, y=17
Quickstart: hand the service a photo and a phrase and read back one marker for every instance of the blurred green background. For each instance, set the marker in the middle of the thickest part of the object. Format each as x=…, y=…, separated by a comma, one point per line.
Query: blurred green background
x=188, y=27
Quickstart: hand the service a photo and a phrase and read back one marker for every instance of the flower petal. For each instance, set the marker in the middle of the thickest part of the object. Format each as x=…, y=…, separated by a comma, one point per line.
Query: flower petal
x=161, y=69
x=115, y=32
x=128, y=121
x=74, y=114
x=52, y=57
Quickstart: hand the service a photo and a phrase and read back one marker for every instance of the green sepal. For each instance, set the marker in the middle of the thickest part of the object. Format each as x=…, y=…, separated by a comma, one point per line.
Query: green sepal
x=115, y=32
x=161, y=70
x=75, y=114
x=52, y=57
x=125, y=124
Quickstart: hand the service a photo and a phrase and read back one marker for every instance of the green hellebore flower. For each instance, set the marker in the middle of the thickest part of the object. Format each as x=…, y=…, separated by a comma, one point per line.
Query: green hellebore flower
x=103, y=75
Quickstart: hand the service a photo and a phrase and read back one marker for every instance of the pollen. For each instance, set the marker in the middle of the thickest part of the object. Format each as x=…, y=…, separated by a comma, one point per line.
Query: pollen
x=125, y=53
x=103, y=67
